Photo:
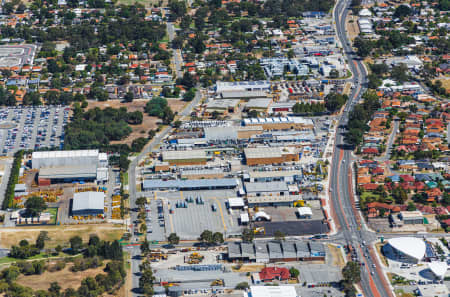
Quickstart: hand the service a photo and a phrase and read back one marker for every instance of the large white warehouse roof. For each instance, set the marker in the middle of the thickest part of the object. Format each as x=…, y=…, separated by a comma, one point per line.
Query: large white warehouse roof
x=272, y=291
x=88, y=201
x=410, y=246
x=65, y=154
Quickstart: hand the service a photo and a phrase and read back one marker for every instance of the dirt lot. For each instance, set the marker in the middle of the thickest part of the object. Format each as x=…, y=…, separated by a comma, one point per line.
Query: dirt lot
x=352, y=27
x=59, y=235
x=336, y=255
x=65, y=278
x=148, y=122
x=445, y=83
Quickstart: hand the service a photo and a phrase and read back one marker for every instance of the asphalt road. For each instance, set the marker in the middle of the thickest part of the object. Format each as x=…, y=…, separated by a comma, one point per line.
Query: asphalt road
x=178, y=60
x=151, y=147
x=340, y=181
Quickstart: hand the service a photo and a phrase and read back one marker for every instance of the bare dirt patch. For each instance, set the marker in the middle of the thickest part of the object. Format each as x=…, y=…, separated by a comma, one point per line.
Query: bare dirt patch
x=148, y=122
x=65, y=278
x=59, y=235
x=336, y=255
x=445, y=83
x=352, y=27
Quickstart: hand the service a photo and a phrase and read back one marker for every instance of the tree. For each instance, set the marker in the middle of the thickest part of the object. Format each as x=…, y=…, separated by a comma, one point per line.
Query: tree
x=34, y=206
x=58, y=249
x=411, y=206
x=207, y=237
x=279, y=235
x=399, y=73
x=402, y=11
x=76, y=243
x=141, y=201
x=55, y=289
x=11, y=273
x=294, y=272
x=351, y=272
x=334, y=101
x=143, y=228
x=218, y=238
x=145, y=247
x=173, y=238
x=129, y=96
x=242, y=286
x=40, y=240
x=247, y=235
x=189, y=95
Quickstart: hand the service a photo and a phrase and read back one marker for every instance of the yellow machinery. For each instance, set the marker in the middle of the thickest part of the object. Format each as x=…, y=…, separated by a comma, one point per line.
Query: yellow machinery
x=299, y=203
x=217, y=282
x=259, y=230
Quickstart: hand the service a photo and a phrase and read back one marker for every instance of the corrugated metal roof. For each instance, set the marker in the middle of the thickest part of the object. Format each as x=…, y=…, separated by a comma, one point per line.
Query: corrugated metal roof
x=65, y=154
x=88, y=200
x=189, y=184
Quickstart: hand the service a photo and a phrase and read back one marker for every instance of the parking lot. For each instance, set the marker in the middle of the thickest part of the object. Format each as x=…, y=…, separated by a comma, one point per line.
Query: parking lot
x=32, y=128
x=189, y=214
x=16, y=55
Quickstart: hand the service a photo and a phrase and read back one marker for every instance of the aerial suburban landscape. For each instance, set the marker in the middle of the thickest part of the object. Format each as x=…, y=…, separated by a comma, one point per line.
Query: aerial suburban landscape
x=226, y=148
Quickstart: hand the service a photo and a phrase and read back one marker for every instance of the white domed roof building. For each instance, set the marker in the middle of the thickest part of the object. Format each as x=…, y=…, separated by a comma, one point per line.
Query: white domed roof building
x=406, y=249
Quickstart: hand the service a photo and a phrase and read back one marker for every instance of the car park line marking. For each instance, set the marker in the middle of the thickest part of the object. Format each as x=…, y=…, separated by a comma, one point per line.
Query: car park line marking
x=221, y=214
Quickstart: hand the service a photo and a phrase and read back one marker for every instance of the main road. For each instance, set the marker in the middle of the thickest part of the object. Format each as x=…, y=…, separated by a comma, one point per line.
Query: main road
x=373, y=282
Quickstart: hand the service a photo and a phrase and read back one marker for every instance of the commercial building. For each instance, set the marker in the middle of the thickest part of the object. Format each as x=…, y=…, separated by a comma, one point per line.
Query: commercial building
x=280, y=123
x=411, y=217
x=275, y=251
x=69, y=166
x=88, y=203
x=438, y=269
x=405, y=249
x=288, y=176
x=186, y=185
x=188, y=157
x=270, y=155
x=271, y=291
x=243, y=89
x=276, y=188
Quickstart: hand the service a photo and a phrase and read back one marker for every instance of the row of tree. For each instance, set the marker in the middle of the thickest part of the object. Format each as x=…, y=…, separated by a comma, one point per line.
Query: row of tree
x=13, y=180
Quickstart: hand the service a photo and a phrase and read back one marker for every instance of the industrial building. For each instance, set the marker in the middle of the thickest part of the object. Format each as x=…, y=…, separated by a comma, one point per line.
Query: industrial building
x=222, y=106
x=280, y=123
x=65, y=158
x=188, y=157
x=275, y=251
x=288, y=176
x=270, y=155
x=186, y=185
x=243, y=89
x=271, y=291
x=275, y=188
x=88, y=203
x=69, y=166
